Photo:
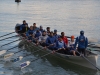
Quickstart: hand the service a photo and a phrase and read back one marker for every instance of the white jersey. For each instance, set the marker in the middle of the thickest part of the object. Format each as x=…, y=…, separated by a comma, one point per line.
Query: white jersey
x=43, y=38
x=71, y=43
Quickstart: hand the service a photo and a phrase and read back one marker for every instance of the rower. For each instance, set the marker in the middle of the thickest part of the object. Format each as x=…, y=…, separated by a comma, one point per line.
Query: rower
x=82, y=42
x=36, y=34
x=29, y=33
x=71, y=46
x=42, y=39
x=26, y=28
x=55, y=34
x=23, y=26
x=48, y=31
x=50, y=42
x=64, y=38
x=35, y=27
x=41, y=29
x=61, y=46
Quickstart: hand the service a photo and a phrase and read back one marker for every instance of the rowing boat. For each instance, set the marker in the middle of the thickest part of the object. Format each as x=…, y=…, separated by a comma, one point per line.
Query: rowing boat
x=77, y=60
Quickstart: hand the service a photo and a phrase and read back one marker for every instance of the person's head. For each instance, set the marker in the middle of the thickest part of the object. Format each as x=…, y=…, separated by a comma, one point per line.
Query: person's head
x=55, y=31
x=41, y=27
x=37, y=30
x=62, y=34
x=72, y=38
x=60, y=38
x=81, y=32
x=31, y=27
x=44, y=33
x=51, y=33
x=34, y=24
x=48, y=28
x=24, y=22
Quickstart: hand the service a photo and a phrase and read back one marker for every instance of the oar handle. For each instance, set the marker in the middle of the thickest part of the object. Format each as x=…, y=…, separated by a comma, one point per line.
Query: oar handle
x=7, y=34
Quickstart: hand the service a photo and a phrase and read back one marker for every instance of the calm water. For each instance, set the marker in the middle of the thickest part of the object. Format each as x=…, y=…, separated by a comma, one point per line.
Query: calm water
x=69, y=16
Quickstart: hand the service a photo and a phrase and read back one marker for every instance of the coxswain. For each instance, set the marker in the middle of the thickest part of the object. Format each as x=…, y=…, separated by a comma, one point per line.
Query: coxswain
x=71, y=46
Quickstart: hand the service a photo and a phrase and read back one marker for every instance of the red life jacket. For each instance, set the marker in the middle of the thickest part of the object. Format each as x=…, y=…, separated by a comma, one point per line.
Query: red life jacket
x=65, y=40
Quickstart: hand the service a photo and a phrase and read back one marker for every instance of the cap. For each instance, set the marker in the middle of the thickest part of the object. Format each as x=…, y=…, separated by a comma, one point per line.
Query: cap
x=81, y=32
x=72, y=37
x=41, y=26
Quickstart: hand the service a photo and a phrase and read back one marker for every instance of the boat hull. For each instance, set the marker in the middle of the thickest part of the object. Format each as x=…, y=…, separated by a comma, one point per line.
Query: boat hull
x=76, y=60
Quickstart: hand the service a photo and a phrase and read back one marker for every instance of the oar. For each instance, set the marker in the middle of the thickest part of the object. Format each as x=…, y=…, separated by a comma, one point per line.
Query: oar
x=21, y=57
x=92, y=49
x=89, y=61
x=25, y=64
x=8, y=37
x=4, y=51
x=11, y=54
x=7, y=34
x=94, y=46
x=10, y=42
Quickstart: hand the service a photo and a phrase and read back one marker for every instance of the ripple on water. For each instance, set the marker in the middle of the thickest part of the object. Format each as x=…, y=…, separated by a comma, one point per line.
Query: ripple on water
x=4, y=71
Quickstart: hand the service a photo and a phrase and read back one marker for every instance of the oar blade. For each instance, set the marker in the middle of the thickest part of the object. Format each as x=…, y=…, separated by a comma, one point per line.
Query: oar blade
x=2, y=52
x=25, y=64
x=8, y=55
x=17, y=59
x=20, y=57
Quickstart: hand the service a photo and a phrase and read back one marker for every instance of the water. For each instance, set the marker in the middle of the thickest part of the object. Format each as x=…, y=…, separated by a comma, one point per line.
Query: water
x=69, y=16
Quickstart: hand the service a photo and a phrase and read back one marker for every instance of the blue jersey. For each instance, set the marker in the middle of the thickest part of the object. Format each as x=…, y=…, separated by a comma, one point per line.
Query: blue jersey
x=29, y=32
x=22, y=26
x=82, y=41
x=37, y=34
x=50, y=40
x=60, y=44
x=56, y=36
